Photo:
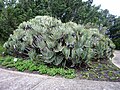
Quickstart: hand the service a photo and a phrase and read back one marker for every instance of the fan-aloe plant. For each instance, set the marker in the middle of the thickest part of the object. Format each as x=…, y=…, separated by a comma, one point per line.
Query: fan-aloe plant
x=48, y=40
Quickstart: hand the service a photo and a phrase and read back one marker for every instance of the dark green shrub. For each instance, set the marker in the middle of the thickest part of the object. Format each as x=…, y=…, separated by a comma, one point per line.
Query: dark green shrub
x=117, y=43
x=2, y=49
x=48, y=40
x=114, y=33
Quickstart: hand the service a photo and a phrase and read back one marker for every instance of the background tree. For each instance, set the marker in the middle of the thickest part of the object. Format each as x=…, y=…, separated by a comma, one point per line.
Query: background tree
x=14, y=12
x=114, y=32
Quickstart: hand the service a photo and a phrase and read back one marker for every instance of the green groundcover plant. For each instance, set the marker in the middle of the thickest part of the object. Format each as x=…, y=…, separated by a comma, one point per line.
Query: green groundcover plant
x=98, y=71
x=23, y=65
x=46, y=39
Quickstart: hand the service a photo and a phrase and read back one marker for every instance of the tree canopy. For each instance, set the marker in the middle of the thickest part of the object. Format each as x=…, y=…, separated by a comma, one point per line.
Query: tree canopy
x=14, y=12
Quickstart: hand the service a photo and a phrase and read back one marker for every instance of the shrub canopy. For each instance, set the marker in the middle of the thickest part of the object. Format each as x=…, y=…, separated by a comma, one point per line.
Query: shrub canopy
x=48, y=40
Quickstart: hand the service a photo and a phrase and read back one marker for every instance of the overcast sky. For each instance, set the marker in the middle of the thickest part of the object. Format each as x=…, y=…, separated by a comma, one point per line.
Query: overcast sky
x=112, y=5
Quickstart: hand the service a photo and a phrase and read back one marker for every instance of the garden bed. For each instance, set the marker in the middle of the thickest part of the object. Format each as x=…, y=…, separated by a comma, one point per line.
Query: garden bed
x=97, y=71
x=101, y=72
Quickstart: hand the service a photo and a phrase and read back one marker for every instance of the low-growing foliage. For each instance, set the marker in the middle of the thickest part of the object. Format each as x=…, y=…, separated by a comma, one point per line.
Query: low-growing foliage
x=102, y=71
x=48, y=40
x=22, y=65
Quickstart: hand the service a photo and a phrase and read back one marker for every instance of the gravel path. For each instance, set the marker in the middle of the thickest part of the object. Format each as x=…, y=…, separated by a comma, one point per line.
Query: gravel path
x=13, y=80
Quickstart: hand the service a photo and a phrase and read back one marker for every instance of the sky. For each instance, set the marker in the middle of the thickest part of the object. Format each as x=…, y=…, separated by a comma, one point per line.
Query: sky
x=112, y=5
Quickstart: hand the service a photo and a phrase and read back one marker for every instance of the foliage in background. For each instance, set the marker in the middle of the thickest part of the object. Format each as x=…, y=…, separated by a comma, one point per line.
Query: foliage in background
x=114, y=32
x=14, y=12
x=49, y=40
x=2, y=49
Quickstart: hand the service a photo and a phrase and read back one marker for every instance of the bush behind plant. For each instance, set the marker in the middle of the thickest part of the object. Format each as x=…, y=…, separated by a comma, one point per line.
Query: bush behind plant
x=48, y=40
